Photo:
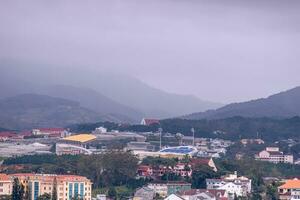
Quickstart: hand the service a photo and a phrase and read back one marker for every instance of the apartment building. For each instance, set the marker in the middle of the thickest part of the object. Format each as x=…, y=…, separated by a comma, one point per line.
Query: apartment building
x=35, y=185
x=272, y=154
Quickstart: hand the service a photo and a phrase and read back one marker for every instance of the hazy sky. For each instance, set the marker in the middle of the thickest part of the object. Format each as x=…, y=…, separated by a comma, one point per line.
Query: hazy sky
x=221, y=50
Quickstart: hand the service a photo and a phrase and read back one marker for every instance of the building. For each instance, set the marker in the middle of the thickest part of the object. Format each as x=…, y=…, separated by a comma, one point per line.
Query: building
x=6, y=135
x=79, y=140
x=252, y=141
x=35, y=185
x=5, y=185
x=290, y=190
x=51, y=132
x=232, y=184
x=195, y=194
x=174, y=197
x=75, y=144
x=164, y=189
x=144, y=193
x=140, y=146
x=148, y=122
x=272, y=154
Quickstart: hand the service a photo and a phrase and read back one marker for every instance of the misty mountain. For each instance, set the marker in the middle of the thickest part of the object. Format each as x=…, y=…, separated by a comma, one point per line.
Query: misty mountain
x=32, y=111
x=93, y=100
x=100, y=91
x=282, y=105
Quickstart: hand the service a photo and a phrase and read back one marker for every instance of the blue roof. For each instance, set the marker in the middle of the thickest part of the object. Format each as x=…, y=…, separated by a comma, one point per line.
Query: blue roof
x=181, y=150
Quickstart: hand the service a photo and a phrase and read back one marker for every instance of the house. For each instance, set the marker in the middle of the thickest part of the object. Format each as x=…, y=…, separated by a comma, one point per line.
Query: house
x=272, y=154
x=290, y=190
x=173, y=197
x=232, y=184
x=144, y=193
x=195, y=194
x=148, y=122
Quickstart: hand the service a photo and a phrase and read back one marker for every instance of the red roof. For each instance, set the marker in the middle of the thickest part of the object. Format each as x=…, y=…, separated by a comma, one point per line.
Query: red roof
x=7, y=134
x=200, y=161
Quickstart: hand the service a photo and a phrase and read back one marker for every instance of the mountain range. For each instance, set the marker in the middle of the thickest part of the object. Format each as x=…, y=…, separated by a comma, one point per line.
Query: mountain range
x=282, y=105
x=104, y=95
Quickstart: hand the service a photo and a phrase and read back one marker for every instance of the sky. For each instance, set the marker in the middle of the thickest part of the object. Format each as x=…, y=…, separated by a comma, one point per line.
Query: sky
x=222, y=51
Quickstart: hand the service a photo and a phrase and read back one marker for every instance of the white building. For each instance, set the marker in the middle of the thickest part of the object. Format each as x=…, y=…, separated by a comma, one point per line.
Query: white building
x=232, y=184
x=272, y=154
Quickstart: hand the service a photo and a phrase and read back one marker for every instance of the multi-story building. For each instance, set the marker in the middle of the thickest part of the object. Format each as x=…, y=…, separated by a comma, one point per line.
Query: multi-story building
x=290, y=190
x=35, y=185
x=232, y=184
x=5, y=185
x=272, y=154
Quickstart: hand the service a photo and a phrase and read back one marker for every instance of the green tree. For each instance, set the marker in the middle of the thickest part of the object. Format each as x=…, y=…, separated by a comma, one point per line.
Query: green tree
x=45, y=196
x=112, y=193
x=18, y=190
x=200, y=174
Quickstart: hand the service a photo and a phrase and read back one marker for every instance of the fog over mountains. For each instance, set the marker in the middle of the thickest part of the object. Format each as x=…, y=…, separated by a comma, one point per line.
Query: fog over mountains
x=118, y=97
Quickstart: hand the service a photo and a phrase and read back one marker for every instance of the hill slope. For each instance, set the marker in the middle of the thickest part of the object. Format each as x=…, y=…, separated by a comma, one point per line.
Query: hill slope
x=281, y=105
x=31, y=110
x=123, y=90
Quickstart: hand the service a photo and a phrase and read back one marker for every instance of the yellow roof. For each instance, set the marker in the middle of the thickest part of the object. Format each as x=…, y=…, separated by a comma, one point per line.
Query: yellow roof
x=81, y=138
x=291, y=184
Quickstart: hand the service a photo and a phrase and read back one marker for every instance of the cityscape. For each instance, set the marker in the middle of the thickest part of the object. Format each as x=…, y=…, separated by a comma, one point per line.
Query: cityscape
x=150, y=100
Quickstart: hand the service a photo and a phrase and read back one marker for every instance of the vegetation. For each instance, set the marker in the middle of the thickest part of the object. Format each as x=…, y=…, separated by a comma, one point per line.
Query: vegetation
x=45, y=196
x=234, y=128
x=18, y=190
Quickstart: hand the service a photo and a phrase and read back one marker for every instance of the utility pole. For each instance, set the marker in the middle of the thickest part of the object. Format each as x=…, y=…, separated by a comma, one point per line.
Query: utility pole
x=160, y=130
x=193, y=131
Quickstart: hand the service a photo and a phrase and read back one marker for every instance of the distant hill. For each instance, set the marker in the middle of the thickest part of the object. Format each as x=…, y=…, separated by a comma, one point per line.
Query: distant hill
x=282, y=105
x=103, y=92
x=31, y=110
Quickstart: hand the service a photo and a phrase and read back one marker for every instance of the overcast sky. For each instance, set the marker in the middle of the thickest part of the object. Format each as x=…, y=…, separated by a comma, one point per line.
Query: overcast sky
x=223, y=51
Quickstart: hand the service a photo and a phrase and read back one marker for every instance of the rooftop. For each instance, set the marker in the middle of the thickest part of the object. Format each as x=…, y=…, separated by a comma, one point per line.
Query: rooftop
x=80, y=138
x=291, y=184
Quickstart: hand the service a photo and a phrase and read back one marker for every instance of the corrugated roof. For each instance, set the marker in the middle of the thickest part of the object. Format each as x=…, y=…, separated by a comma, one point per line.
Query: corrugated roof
x=80, y=138
x=291, y=184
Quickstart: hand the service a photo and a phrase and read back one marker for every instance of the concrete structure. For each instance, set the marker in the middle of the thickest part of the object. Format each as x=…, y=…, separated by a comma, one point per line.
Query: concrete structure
x=67, y=186
x=290, y=190
x=232, y=184
x=272, y=154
